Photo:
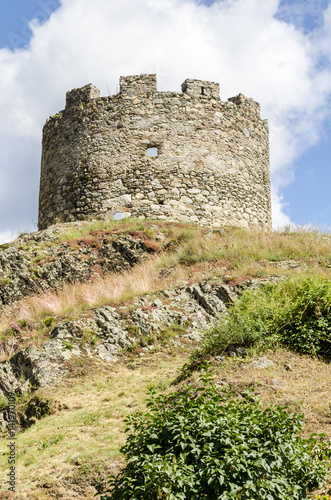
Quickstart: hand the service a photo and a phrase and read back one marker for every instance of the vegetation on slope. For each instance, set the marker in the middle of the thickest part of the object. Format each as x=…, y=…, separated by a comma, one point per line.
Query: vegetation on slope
x=177, y=254
x=202, y=443
x=86, y=435
x=294, y=313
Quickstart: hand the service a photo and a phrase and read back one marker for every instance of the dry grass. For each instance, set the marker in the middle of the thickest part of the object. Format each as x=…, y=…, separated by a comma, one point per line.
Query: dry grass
x=8, y=349
x=191, y=254
x=64, y=452
x=77, y=230
x=305, y=388
x=71, y=446
x=237, y=248
x=73, y=299
x=74, y=444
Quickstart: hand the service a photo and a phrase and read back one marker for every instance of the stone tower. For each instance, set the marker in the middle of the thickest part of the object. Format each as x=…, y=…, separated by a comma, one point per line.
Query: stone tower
x=163, y=155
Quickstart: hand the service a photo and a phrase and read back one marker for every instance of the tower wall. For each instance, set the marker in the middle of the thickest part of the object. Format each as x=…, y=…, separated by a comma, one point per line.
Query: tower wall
x=212, y=163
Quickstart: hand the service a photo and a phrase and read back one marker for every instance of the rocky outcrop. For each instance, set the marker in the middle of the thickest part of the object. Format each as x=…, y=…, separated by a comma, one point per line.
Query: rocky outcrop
x=37, y=408
x=194, y=308
x=9, y=382
x=186, y=312
x=43, y=366
x=112, y=336
x=39, y=262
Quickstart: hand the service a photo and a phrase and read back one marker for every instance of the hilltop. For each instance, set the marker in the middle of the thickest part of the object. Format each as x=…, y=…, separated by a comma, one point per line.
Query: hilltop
x=92, y=313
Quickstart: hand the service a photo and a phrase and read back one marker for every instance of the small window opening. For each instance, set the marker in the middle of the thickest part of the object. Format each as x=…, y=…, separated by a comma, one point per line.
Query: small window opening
x=203, y=91
x=152, y=152
x=118, y=216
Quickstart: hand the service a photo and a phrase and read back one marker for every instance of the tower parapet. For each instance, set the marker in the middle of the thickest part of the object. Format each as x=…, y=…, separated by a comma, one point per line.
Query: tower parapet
x=82, y=95
x=197, y=88
x=165, y=155
x=138, y=84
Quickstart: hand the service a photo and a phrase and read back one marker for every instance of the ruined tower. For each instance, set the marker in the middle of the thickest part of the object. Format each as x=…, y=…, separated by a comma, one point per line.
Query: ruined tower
x=185, y=156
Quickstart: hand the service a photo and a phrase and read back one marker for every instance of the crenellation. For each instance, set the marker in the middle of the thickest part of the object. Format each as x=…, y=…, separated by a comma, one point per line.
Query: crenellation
x=246, y=102
x=136, y=85
x=210, y=160
x=82, y=95
x=201, y=89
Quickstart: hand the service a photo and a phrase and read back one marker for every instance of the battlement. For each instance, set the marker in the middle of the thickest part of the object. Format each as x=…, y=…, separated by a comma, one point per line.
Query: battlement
x=138, y=84
x=145, y=86
x=201, y=88
x=241, y=100
x=163, y=155
x=83, y=94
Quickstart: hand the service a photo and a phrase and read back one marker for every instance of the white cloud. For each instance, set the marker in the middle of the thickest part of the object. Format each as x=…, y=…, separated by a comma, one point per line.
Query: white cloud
x=7, y=236
x=238, y=43
x=280, y=219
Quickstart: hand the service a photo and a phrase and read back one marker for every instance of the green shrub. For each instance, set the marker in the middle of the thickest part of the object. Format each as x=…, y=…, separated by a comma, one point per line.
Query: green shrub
x=295, y=313
x=3, y=403
x=68, y=345
x=48, y=321
x=197, y=443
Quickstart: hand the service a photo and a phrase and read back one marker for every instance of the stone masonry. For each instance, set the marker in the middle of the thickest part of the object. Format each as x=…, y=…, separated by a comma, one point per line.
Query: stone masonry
x=163, y=155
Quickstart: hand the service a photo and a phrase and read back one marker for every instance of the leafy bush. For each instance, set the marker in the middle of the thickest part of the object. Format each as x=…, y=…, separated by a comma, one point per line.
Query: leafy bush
x=295, y=313
x=3, y=403
x=197, y=443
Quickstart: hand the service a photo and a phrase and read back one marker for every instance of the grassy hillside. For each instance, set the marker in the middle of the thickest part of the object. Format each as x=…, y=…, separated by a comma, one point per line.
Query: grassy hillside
x=62, y=454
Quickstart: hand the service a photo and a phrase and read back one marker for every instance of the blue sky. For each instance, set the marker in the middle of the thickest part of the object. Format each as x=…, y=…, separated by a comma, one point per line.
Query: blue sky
x=304, y=14
x=308, y=196
x=276, y=51
x=15, y=18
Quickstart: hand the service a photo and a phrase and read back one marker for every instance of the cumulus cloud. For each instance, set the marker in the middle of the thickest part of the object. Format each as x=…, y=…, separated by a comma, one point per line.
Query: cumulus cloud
x=7, y=236
x=242, y=44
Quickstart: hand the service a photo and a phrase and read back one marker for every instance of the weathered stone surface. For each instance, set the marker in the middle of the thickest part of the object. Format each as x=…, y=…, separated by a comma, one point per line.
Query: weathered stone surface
x=68, y=331
x=234, y=351
x=37, y=408
x=193, y=308
x=237, y=289
x=8, y=380
x=262, y=363
x=170, y=156
x=275, y=383
x=106, y=354
x=27, y=269
x=208, y=298
x=44, y=366
x=109, y=329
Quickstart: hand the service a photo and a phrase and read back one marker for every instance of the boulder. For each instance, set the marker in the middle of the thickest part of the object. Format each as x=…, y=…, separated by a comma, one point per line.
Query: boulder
x=110, y=332
x=43, y=366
